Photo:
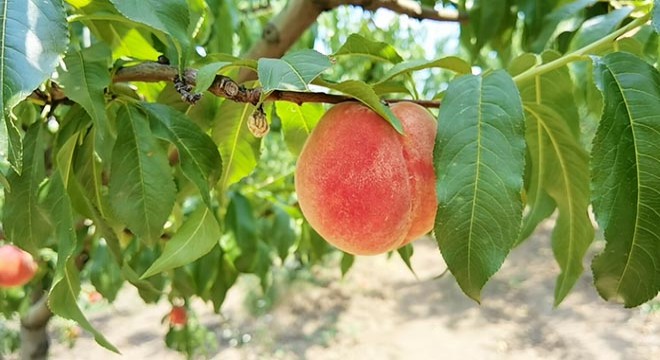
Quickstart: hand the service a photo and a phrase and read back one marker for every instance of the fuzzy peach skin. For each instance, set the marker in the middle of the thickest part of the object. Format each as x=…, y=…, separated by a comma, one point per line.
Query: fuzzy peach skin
x=420, y=128
x=16, y=266
x=362, y=186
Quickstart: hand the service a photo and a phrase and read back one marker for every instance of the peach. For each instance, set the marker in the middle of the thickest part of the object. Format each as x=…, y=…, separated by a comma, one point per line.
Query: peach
x=364, y=187
x=17, y=267
x=178, y=316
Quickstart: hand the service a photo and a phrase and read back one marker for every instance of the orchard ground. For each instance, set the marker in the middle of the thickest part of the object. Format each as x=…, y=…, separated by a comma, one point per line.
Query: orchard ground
x=381, y=311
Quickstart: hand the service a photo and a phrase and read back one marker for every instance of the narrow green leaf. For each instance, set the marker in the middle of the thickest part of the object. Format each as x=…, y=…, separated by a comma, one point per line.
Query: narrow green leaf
x=564, y=168
x=553, y=89
x=62, y=299
x=227, y=276
x=298, y=121
x=364, y=93
x=541, y=205
x=238, y=147
x=10, y=139
x=225, y=21
x=294, y=71
x=141, y=183
x=281, y=235
x=626, y=180
x=594, y=28
x=148, y=291
x=347, y=261
x=121, y=34
x=479, y=163
x=391, y=87
x=485, y=17
x=560, y=20
x=87, y=170
x=548, y=90
x=33, y=35
x=199, y=156
x=196, y=237
x=358, y=45
x=452, y=63
x=170, y=17
x=346, y=264
x=25, y=220
x=84, y=81
x=241, y=224
x=206, y=74
x=406, y=252
x=104, y=272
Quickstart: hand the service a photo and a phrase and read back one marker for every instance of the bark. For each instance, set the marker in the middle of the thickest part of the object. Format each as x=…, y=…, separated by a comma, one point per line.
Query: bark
x=34, y=336
x=283, y=31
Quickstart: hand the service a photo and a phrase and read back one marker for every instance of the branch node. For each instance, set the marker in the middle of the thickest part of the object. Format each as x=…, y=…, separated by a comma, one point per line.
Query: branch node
x=270, y=34
x=229, y=87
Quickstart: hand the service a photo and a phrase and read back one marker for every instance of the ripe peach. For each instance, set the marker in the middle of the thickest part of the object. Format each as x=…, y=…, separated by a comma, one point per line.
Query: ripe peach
x=17, y=267
x=364, y=187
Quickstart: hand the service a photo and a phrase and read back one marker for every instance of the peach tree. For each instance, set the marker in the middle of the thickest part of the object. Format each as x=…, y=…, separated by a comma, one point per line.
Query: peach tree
x=152, y=143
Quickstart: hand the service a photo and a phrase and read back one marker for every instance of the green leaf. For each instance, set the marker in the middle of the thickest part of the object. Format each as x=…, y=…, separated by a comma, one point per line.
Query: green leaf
x=553, y=89
x=479, y=163
x=141, y=185
x=170, y=17
x=364, y=93
x=200, y=159
x=84, y=81
x=298, y=121
x=294, y=71
x=565, y=18
x=241, y=224
x=347, y=261
x=62, y=299
x=25, y=220
x=594, y=28
x=225, y=21
x=88, y=172
x=64, y=158
x=358, y=45
x=10, y=139
x=206, y=74
x=549, y=90
x=225, y=279
x=238, y=147
x=406, y=252
x=34, y=34
x=281, y=235
x=626, y=180
x=196, y=237
x=106, y=23
x=452, y=63
x=391, y=87
x=485, y=16
x=104, y=273
x=148, y=291
x=564, y=169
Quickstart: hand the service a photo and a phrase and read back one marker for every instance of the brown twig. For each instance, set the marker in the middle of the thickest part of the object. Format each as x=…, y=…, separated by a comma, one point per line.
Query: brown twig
x=225, y=87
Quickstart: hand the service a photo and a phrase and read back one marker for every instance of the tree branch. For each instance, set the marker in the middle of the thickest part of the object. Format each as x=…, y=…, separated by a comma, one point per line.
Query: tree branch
x=410, y=8
x=298, y=15
x=225, y=87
